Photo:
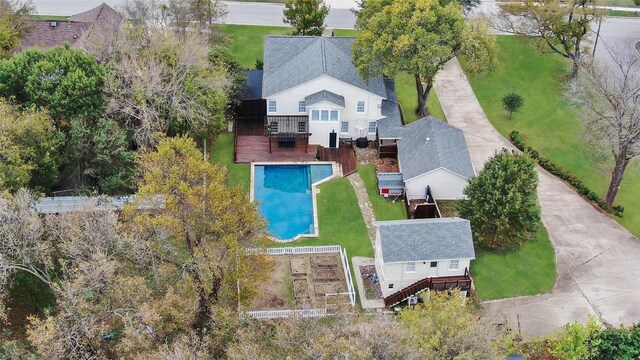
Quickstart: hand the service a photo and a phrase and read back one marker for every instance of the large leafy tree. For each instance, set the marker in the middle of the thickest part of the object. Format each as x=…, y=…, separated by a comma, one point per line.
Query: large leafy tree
x=13, y=24
x=559, y=26
x=201, y=232
x=98, y=157
x=413, y=36
x=29, y=154
x=67, y=82
x=306, y=16
x=502, y=203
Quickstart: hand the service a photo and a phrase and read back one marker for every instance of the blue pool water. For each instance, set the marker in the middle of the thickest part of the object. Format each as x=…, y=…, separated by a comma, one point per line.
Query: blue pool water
x=284, y=196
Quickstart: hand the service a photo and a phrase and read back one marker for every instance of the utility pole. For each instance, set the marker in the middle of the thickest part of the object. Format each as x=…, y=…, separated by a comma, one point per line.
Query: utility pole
x=595, y=44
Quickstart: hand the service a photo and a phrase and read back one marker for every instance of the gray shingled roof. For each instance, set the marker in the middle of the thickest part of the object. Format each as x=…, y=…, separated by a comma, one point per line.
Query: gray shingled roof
x=292, y=60
x=390, y=125
x=253, y=90
x=390, y=181
x=445, y=148
x=425, y=239
x=324, y=95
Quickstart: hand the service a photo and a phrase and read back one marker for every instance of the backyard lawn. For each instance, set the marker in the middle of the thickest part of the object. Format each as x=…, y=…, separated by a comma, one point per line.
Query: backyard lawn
x=383, y=209
x=530, y=270
x=239, y=174
x=547, y=122
x=247, y=45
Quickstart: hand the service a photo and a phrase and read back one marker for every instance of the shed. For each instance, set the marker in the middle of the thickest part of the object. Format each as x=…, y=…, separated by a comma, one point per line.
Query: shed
x=390, y=184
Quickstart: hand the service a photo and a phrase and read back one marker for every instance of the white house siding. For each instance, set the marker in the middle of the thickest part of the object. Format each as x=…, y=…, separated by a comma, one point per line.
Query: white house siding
x=444, y=185
x=287, y=104
x=396, y=273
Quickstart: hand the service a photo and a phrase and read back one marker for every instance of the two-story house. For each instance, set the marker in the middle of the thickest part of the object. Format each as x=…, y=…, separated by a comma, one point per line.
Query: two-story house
x=312, y=89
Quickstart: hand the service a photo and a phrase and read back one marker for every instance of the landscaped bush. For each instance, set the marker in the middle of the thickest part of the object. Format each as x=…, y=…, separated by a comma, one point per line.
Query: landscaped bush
x=563, y=174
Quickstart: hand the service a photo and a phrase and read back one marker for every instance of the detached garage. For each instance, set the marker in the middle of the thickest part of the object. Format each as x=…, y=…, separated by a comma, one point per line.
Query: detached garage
x=433, y=153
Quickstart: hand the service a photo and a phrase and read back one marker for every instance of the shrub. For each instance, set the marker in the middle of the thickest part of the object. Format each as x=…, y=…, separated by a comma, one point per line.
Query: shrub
x=563, y=174
x=512, y=102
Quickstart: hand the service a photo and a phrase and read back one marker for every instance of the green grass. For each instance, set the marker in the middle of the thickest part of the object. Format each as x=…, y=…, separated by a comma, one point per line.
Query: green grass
x=528, y=271
x=624, y=13
x=48, y=17
x=239, y=174
x=408, y=98
x=383, y=209
x=548, y=123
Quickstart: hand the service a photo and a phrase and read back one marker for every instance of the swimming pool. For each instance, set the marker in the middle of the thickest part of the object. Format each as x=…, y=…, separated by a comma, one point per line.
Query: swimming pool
x=285, y=199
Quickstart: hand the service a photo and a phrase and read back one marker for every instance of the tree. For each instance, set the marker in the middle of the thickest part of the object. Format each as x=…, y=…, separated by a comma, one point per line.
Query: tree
x=609, y=98
x=306, y=16
x=66, y=82
x=203, y=231
x=577, y=341
x=562, y=27
x=13, y=24
x=446, y=327
x=512, y=102
x=478, y=46
x=99, y=158
x=414, y=36
x=502, y=203
x=28, y=149
x=167, y=86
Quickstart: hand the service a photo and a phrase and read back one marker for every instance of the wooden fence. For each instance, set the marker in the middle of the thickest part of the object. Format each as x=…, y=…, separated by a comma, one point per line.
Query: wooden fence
x=297, y=250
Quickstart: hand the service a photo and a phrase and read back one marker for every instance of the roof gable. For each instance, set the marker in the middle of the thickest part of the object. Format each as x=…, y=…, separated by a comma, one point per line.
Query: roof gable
x=428, y=144
x=292, y=60
x=324, y=95
x=425, y=239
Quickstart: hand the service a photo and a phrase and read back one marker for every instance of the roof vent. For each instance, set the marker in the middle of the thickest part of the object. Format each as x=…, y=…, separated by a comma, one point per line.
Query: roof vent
x=428, y=139
x=53, y=24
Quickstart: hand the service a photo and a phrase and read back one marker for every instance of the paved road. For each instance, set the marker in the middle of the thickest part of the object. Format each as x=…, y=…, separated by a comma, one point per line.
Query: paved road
x=597, y=258
x=340, y=17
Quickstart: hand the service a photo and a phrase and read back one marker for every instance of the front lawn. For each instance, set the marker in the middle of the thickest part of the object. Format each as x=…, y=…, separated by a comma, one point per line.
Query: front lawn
x=384, y=209
x=547, y=122
x=530, y=270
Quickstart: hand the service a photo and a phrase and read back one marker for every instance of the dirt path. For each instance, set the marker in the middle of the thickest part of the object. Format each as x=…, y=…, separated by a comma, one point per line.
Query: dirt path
x=598, y=267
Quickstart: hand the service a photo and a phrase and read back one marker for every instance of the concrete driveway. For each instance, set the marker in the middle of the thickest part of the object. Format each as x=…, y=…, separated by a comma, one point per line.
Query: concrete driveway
x=598, y=260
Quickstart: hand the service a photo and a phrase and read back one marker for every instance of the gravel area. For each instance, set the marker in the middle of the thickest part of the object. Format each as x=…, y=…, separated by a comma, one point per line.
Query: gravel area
x=368, y=155
x=367, y=274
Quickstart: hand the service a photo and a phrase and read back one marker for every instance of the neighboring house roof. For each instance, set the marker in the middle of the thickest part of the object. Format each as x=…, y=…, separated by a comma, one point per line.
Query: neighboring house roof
x=425, y=240
x=429, y=144
x=42, y=35
x=254, y=85
x=74, y=32
x=324, y=95
x=390, y=181
x=293, y=60
x=390, y=126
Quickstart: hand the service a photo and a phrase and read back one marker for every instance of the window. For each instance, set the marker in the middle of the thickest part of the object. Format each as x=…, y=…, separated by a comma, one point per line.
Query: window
x=411, y=267
x=434, y=264
x=344, y=127
x=360, y=106
x=372, y=127
x=453, y=265
x=272, y=106
x=302, y=107
x=390, y=286
x=324, y=115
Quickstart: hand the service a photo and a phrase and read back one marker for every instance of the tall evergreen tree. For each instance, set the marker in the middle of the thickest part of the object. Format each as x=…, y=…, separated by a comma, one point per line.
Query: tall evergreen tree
x=306, y=16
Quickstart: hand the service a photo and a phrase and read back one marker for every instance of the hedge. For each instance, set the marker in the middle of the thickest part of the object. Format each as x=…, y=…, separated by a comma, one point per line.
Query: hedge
x=563, y=174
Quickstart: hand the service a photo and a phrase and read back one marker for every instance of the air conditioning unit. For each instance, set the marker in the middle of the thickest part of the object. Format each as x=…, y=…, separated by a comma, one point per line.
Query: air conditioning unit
x=53, y=24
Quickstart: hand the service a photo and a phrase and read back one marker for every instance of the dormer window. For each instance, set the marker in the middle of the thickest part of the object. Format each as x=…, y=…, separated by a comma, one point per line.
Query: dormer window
x=360, y=107
x=273, y=106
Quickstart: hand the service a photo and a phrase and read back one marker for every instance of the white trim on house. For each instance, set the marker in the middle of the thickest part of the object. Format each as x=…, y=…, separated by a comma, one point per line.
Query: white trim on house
x=330, y=77
x=429, y=172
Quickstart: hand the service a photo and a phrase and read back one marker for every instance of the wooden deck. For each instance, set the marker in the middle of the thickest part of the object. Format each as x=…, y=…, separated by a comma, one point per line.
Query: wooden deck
x=344, y=155
x=253, y=146
x=256, y=148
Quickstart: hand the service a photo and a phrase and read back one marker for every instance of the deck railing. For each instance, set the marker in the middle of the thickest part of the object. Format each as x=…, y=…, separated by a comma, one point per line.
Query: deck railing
x=287, y=126
x=281, y=314
x=433, y=283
